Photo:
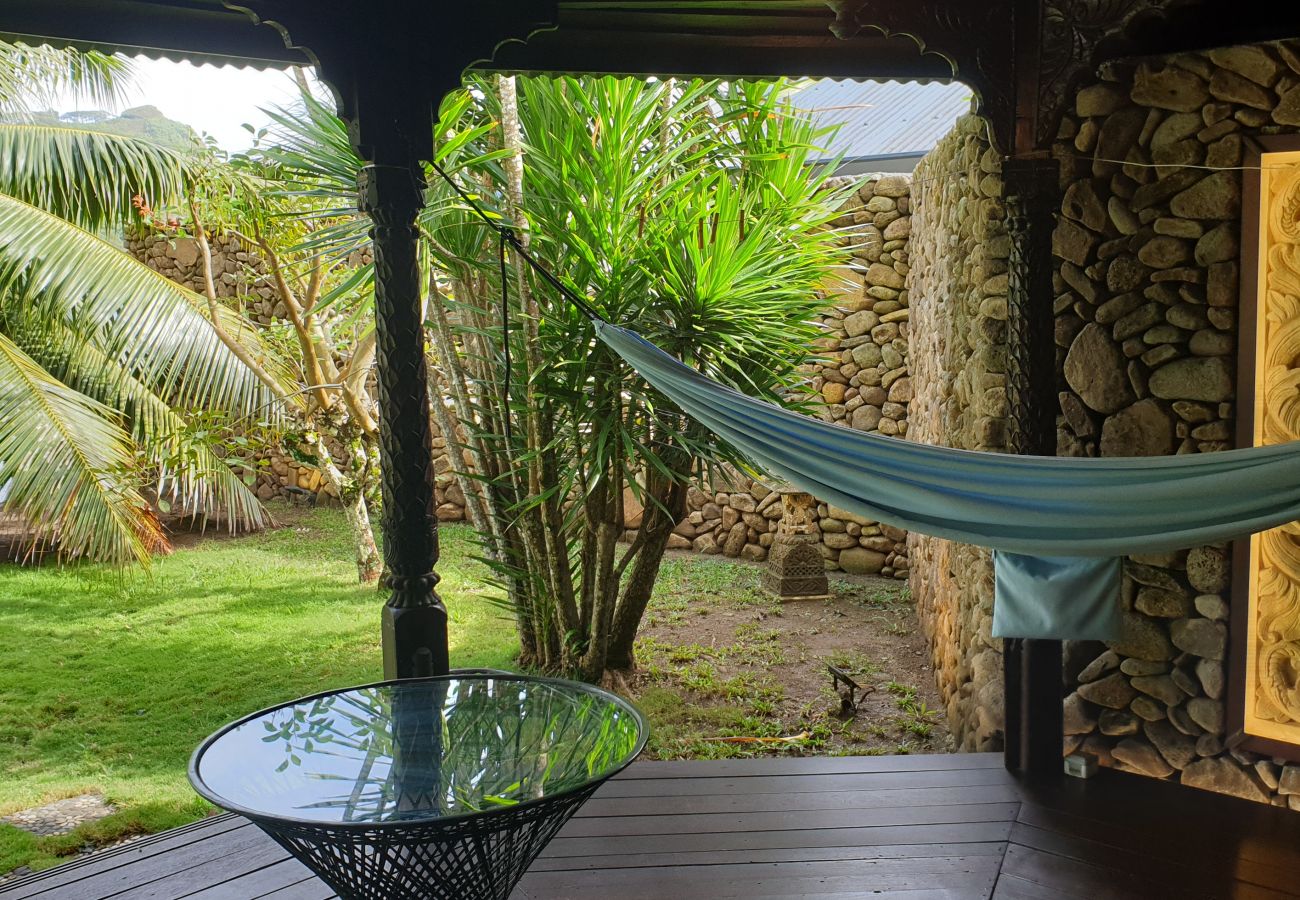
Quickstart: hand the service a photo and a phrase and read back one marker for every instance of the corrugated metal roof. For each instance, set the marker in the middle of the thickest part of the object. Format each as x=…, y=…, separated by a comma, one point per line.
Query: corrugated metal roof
x=883, y=118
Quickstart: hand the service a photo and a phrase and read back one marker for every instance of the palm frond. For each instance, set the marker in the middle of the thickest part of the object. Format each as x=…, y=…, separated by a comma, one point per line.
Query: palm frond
x=156, y=329
x=33, y=76
x=87, y=177
x=185, y=468
x=67, y=467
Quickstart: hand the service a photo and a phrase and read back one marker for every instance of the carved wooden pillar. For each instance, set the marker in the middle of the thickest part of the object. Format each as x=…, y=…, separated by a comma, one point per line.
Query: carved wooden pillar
x=1034, y=692
x=414, y=618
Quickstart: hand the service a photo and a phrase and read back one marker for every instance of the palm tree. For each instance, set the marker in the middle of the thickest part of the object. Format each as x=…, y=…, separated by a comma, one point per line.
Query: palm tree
x=112, y=377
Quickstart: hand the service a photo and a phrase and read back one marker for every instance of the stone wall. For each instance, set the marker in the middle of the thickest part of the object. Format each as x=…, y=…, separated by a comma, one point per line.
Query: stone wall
x=1148, y=247
x=958, y=286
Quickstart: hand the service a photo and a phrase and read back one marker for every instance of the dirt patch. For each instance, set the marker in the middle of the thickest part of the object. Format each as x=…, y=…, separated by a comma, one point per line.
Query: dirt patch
x=719, y=658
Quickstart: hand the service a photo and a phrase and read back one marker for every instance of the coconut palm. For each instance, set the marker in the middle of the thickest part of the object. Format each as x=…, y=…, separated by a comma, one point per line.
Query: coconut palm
x=112, y=377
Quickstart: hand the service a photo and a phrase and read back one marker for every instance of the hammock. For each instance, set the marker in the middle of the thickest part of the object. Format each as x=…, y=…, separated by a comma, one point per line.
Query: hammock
x=1043, y=516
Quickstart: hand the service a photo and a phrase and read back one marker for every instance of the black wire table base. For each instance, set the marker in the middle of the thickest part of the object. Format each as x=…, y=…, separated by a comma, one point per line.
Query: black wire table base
x=470, y=858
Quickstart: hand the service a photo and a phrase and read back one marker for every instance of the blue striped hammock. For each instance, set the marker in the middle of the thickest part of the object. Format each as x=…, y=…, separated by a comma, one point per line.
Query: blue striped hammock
x=1058, y=525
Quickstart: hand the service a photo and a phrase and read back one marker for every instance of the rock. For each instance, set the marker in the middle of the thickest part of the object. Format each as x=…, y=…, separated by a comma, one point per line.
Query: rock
x=1143, y=429
x=705, y=543
x=1232, y=88
x=884, y=276
x=1076, y=717
x=893, y=186
x=1287, y=111
x=1288, y=783
x=1124, y=219
x=859, y=323
x=839, y=540
x=1216, y=196
x=833, y=392
x=867, y=356
x=1073, y=242
x=1208, y=745
x=1251, y=61
x=1082, y=204
x=1169, y=88
x=1207, y=569
x=1165, y=252
x=1212, y=606
x=1176, y=128
x=1094, y=369
x=1210, y=674
x=1218, y=245
x=1106, y=662
x=1207, y=378
x=753, y=553
x=1148, y=709
x=735, y=539
x=901, y=390
x=1143, y=667
x=1113, y=692
x=1200, y=637
x=1161, y=687
x=1117, y=723
x=1098, y=100
x=899, y=229
x=1117, y=308
x=1142, y=757
x=1178, y=749
x=861, y=561
x=1142, y=638
x=1162, y=603
x=1225, y=777
x=1206, y=713
x=865, y=418
x=1125, y=273
x=1221, y=285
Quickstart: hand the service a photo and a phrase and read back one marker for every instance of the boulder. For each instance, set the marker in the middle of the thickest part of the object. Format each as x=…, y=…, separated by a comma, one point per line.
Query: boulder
x=1143, y=429
x=1094, y=369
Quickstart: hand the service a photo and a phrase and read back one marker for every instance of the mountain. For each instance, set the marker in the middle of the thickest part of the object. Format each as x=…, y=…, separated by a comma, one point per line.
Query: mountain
x=145, y=122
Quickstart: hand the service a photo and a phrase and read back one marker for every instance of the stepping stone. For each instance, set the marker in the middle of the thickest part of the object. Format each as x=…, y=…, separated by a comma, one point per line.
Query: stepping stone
x=61, y=816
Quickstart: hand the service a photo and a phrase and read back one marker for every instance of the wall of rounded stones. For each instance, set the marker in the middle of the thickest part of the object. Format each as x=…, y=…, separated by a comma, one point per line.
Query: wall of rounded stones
x=958, y=285
x=1146, y=322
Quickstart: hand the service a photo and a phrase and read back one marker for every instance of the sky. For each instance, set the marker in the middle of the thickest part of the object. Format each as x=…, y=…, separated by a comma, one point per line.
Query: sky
x=217, y=100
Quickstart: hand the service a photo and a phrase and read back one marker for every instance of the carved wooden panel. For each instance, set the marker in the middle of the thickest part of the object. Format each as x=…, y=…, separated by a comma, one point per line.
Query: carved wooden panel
x=1266, y=625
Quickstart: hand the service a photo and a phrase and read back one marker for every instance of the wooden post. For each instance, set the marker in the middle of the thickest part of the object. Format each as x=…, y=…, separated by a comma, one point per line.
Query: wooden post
x=1033, y=680
x=414, y=620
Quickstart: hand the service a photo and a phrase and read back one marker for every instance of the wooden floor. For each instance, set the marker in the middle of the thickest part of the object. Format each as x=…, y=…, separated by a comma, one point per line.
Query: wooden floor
x=906, y=827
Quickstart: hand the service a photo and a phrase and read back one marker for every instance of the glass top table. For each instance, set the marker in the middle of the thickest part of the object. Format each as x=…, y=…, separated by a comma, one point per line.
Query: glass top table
x=443, y=787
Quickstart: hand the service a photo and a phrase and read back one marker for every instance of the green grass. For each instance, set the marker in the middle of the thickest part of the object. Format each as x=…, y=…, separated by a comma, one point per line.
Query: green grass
x=110, y=680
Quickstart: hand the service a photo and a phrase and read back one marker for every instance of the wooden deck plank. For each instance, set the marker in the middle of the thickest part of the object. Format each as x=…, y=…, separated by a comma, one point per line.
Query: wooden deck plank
x=974, y=875
x=803, y=782
x=813, y=829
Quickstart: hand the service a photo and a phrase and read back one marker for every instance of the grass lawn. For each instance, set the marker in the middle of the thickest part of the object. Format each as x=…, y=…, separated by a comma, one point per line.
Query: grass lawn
x=109, y=680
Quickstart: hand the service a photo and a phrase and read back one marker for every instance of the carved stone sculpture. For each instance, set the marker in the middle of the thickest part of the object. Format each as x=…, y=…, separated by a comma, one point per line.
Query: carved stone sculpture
x=795, y=568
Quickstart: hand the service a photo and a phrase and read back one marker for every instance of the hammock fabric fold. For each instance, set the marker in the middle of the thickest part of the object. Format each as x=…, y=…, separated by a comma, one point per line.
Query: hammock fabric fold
x=1029, y=505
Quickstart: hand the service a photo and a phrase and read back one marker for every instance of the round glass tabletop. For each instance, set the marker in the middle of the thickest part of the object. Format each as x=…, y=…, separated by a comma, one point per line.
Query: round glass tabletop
x=418, y=750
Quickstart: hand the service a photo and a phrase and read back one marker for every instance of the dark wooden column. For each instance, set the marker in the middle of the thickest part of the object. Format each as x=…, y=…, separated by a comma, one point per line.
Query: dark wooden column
x=1034, y=693
x=392, y=128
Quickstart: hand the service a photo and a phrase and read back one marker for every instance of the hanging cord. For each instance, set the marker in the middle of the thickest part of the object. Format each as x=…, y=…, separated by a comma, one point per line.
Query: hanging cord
x=508, y=236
